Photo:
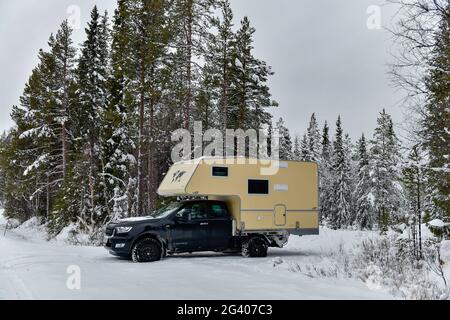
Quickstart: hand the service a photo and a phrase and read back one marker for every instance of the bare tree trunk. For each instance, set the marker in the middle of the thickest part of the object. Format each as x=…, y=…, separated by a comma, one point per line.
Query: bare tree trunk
x=225, y=93
x=189, y=44
x=140, y=202
x=152, y=175
x=419, y=213
x=47, y=209
x=64, y=150
x=91, y=173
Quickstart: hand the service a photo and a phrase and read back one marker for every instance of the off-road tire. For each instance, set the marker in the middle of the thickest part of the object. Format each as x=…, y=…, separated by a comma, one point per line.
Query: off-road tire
x=146, y=250
x=254, y=247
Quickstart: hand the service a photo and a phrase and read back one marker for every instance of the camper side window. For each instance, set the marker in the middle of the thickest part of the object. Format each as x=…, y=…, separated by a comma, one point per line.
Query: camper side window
x=220, y=172
x=258, y=186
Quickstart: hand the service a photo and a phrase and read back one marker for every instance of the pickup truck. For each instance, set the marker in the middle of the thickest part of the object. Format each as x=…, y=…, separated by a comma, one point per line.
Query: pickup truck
x=184, y=227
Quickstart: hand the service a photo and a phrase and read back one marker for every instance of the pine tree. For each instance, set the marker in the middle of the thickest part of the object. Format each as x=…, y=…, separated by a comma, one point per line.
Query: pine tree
x=92, y=76
x=296, y=152
x=415, y=181
x=304, y=149
x=191, y=25
x=435, y=125
x=325, y=144
x=250, y=94
x=365, y=217
x=325, y=175
x=118, y=143
x=340, y=213
x=63, y=52
x=221, y=49
x=314, y=139
x=386, y=188
x=285, y=141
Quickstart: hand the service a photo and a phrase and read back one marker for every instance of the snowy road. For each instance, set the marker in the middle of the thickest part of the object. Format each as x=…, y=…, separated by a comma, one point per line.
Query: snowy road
x=34, y=269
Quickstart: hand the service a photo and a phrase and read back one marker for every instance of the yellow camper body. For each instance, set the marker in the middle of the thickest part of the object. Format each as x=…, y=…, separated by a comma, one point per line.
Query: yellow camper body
x=263, y=196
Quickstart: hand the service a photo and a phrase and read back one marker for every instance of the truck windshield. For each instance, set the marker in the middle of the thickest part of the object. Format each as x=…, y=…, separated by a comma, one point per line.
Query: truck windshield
x=165, y=211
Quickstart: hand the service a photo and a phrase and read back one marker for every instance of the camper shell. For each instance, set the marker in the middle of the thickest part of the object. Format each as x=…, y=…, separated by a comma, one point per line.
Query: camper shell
x=263, y=196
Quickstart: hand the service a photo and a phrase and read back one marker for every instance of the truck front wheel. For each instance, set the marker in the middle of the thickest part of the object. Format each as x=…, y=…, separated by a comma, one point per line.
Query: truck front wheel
x=254, y=248
x=146, y=250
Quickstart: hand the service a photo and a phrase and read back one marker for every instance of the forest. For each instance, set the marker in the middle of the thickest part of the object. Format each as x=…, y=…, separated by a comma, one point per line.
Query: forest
x=92, y=134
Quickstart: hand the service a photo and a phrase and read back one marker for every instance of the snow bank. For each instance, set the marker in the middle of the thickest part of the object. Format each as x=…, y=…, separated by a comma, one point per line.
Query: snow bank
x=445, y=253
x=74, y=235
x=12, y=223
x=437, y=223
x=2, y=218
x=32, y=229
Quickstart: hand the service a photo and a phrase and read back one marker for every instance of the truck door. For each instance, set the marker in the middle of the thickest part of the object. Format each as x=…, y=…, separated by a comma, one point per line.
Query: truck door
x=280, y=215
x=220, y=226
x=190, y=231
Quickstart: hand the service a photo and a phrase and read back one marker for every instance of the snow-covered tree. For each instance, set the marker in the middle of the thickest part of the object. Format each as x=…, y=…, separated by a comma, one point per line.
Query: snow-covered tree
x=296, y=151
x=436, y=120
x=414, y=179
x=386, y=189
x=365, y=217
x=92, y=92
x=314, y=139
x=285, y=147
x=325, y=174
x=304, y=149
x=340, y=211
x=249, y=94
x=221, y=50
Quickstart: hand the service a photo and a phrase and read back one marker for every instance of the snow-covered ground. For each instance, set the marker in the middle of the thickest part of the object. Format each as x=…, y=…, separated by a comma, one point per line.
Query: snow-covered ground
x=31, y=268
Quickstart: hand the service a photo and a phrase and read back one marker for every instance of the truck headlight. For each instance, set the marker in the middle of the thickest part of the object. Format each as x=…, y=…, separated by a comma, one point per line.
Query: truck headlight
x=121, y=230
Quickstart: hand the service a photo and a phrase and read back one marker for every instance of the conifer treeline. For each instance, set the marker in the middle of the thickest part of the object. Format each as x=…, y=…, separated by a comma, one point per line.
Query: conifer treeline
x=93, y=128
x=368, y=184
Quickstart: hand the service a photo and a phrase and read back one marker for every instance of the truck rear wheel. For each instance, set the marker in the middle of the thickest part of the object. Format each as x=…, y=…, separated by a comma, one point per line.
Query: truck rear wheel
x=146, y=250
x=254, y=248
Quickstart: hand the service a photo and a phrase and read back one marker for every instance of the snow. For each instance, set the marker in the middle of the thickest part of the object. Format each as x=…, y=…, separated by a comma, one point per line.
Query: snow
x=437, y=223
x=31, y=268
x=310, y=267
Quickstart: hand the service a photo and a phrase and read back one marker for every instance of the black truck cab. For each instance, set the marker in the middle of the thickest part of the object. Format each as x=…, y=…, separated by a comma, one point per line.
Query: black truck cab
x=188, y=226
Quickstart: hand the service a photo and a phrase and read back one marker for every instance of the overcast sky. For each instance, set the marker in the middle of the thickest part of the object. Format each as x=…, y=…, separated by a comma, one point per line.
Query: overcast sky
x=325, y=58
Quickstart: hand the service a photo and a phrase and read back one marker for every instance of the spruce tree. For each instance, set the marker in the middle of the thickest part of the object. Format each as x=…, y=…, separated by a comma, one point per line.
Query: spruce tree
x=219, y=55
x=250, y=94
x=414, y=179
x=365, y=216
x=386, y=189
x=314, y=139
x=435, y=125
x=92, y=90
x=296, y=152
x=325, y=175
x=340, y=213
x=285, y=141
x=304, y=149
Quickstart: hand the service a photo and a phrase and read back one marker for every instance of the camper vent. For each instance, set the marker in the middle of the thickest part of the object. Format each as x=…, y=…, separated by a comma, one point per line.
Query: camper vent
x=281, y=187
x=282, y=164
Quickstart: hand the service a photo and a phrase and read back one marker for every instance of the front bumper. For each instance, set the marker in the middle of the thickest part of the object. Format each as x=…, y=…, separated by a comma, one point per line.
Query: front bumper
x=118, y=245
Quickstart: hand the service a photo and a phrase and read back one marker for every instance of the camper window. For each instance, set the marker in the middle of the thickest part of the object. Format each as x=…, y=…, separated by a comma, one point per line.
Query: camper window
x=220, y=172
x=258, y=186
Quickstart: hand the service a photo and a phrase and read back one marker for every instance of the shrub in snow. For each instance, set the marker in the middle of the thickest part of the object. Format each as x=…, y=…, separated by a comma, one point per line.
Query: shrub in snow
x=390, y=262
x=382, y=262
x=74, y=234
x=13, y=223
